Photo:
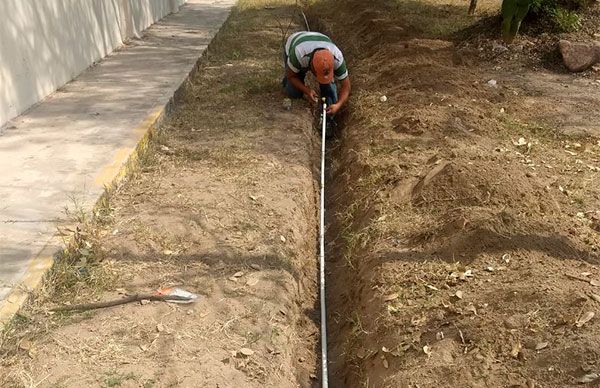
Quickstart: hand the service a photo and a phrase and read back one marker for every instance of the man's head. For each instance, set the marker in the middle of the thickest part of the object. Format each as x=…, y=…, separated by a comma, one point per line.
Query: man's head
x=322, y=66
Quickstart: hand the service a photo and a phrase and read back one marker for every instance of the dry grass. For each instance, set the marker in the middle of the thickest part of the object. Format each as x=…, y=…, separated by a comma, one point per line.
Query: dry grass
x=189, y=220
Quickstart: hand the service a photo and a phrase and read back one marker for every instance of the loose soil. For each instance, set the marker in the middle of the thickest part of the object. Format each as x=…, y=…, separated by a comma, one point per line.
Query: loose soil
x=463, y=222
x=459, y=206
x=223, y=206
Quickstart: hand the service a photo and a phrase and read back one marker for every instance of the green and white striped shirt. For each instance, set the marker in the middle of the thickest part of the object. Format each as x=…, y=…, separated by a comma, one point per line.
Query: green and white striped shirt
x=300, y=47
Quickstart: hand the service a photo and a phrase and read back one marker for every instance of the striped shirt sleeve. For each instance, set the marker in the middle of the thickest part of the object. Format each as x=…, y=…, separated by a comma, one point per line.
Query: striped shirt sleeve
x=293, y=62
x=341, y=72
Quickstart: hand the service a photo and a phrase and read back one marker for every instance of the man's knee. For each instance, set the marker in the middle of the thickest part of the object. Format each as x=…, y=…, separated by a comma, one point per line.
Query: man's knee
x=290, y=90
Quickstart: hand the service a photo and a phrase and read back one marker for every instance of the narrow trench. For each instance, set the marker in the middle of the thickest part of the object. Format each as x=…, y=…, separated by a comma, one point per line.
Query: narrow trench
x=340, y=282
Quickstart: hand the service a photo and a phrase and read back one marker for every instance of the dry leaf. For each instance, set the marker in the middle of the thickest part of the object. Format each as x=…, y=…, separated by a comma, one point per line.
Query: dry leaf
x=594, y=283
x=361, y=353
x=589, y=378
x=459, y=294
x=144, y=348
x=585, y=318
x=160, y=327
x=595, y=297
x=384, y=349
x=586, y=274
x=25, y=345
x=541, y=345
x=246, y=352
x=520, y=142
x=431, y=287
x=238, y=274
x=390, y=297
x=471, y=308
x=385, y=363
x=516, y=349
x=418, y=320
x=427, y=350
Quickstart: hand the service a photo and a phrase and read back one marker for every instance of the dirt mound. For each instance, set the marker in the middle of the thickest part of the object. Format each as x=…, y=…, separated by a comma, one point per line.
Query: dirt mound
x=457, y=211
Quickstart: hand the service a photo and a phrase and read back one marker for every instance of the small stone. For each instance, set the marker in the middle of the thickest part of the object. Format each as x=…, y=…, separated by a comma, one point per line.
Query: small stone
x=383, y=98
x=287, y=104
x=579, y=56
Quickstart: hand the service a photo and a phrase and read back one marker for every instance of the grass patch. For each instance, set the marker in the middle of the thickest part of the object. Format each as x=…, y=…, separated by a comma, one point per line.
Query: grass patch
x=115, y=379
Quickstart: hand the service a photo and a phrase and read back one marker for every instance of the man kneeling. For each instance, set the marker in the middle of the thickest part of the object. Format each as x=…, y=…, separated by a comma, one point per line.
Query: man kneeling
x=312, y=51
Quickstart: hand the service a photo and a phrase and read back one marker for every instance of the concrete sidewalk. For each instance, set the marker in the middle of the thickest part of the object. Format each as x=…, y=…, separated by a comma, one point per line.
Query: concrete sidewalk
x=78, y=140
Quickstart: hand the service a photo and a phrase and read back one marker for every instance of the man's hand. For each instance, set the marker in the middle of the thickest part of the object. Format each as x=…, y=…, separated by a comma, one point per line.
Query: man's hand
x=311, y=95
x=333, y=109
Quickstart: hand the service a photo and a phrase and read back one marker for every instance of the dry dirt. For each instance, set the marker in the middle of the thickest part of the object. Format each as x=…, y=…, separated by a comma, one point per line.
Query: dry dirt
x=459, y=209
x=224, y=206
x=456, y=209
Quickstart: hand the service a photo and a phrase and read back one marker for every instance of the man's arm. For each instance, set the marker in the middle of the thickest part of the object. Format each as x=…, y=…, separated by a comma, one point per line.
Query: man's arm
x=298, y=84
x=343, y=97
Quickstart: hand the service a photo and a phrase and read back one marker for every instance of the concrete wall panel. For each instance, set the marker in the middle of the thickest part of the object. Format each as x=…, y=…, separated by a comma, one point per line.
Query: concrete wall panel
x=45, y=44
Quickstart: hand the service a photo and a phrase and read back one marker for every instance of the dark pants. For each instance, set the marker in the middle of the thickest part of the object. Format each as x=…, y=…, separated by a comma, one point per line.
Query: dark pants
x=328, y=91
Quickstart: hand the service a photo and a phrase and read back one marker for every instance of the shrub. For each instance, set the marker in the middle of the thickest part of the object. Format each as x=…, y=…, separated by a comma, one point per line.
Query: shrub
x=559, y=15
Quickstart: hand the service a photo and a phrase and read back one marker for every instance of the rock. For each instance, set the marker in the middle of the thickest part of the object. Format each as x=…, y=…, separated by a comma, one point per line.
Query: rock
x=579, y=56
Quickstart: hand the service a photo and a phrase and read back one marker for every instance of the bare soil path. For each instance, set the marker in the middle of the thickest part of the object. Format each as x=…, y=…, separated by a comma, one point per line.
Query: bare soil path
x=224, y=206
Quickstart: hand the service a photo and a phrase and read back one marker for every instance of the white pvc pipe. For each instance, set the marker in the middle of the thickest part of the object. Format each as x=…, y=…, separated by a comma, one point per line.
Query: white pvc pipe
x=324, y=377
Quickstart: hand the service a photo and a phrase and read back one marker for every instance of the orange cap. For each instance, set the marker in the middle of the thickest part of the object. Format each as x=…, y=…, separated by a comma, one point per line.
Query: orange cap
x=322, y=63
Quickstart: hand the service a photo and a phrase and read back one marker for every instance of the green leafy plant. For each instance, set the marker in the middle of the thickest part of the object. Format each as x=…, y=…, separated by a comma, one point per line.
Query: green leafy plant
x=565, y=20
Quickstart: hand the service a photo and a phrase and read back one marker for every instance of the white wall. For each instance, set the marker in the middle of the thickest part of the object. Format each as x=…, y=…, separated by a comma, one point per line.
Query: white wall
x=46, y=43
